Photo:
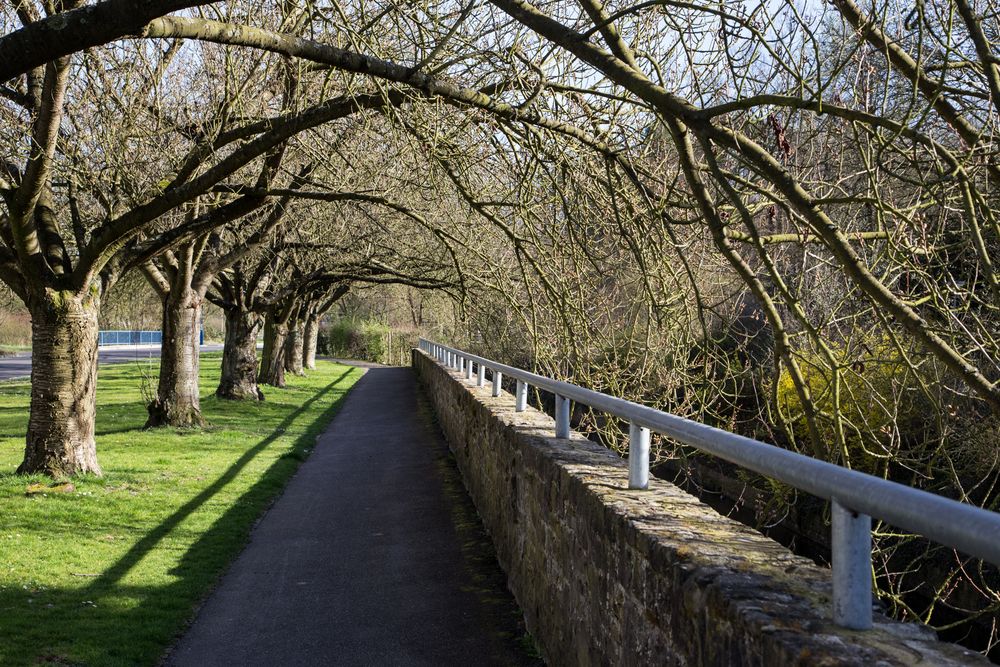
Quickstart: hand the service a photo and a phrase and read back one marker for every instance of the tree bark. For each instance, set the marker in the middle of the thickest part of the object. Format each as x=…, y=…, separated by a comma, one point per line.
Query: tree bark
x=272, y=362
x=60, y=439
x=177, y=401
x=239, y=357
x=294, y=349
x=310, y=342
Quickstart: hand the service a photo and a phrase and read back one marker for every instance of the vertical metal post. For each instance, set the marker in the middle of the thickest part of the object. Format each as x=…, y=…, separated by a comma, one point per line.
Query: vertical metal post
x=562, y=416
x=497, y=378
x=468, y=369
x=451, y=360
x=481, y=377
x=851, y=551
x=638, y=457
x=521, y=397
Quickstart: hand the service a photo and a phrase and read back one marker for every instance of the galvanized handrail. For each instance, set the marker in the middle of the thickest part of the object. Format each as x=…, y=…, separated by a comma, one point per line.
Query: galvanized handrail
x=855, y=497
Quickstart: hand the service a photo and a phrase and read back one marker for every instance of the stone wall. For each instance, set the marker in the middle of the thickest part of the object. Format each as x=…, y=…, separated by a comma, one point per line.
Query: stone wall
x=608, y=576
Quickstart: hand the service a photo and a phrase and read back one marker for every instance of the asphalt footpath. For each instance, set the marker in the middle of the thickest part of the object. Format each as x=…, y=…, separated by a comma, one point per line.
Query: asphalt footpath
x=373, y=555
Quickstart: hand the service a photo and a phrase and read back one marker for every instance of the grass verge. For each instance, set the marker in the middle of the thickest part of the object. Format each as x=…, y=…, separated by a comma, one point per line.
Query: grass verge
x=110, y=573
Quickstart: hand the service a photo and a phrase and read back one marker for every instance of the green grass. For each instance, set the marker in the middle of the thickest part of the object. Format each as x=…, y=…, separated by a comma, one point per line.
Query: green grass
x=110, y=574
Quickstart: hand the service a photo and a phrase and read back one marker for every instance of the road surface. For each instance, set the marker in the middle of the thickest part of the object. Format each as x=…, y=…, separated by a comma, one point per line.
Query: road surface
x=19, y=365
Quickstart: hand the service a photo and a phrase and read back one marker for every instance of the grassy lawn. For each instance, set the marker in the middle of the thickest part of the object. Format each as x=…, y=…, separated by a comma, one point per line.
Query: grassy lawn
x=110, y=574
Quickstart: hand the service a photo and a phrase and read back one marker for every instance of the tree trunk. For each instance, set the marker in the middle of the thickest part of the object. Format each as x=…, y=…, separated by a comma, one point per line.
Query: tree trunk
x=177, y=402
x=239, y=357
x=272, y=362
x=294, y=349
x=60, y=438
x=310, y=342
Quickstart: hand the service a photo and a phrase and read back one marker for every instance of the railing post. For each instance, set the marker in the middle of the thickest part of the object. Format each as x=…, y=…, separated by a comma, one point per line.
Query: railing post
x=851, y=551
x=638, y=457
x=562, y=416
x=481, y=376
x=497, y=377
x=521, y=397
x=468, y=369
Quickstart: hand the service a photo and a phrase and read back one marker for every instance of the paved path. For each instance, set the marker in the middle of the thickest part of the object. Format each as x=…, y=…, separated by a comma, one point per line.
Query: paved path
x=19, y=365
x=366, y=558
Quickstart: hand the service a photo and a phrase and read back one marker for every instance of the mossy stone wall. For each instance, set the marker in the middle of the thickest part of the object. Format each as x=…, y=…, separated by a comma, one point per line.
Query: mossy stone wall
x=608, y=576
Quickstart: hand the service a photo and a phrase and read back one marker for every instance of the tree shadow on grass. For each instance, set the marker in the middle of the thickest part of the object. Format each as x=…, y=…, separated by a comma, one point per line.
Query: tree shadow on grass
x=147, y=543
x=111, y=622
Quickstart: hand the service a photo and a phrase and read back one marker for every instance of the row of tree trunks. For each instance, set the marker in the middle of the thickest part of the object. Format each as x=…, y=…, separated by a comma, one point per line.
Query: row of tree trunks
x=181, y=286
x=272, y=358
x=303, y=336
x=177, y=401
x=295, y=349
x=310, y=336
x=63, y=289
x=239, y=357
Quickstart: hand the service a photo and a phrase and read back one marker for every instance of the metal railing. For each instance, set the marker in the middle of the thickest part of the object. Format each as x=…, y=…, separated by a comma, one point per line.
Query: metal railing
x=854, y=497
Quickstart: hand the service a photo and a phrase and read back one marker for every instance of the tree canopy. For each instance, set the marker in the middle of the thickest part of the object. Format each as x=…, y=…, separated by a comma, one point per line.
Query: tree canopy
x=777, y=217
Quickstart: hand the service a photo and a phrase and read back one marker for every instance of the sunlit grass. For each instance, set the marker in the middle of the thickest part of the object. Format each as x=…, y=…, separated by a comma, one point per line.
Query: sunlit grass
x=111, y=573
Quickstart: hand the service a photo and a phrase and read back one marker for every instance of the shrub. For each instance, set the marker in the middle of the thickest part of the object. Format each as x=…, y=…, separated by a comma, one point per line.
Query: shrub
x=357, y=339
x=880, y=400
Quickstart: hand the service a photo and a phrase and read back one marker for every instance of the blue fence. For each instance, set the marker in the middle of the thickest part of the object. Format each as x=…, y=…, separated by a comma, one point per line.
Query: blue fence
x=136, y=337
x=129, y=337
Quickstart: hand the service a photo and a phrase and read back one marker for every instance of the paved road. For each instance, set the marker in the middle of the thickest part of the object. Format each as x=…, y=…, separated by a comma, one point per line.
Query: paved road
x=366, y=558
x=19, y=365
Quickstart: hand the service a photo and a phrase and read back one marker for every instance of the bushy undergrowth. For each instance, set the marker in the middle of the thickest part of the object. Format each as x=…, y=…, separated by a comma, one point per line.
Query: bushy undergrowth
x=368, y=340
x=868, y=401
